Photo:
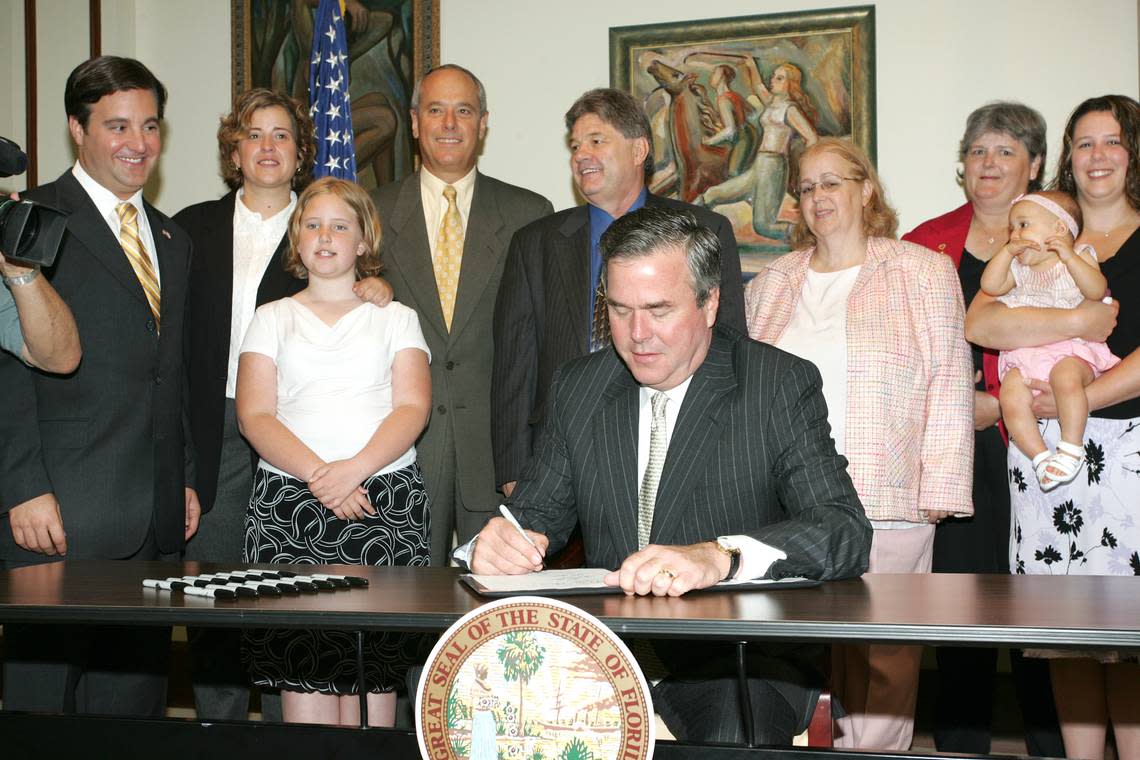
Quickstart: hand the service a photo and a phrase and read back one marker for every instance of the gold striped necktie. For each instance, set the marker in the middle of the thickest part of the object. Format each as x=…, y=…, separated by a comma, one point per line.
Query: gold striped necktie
x=140, y=260
x=448, y=256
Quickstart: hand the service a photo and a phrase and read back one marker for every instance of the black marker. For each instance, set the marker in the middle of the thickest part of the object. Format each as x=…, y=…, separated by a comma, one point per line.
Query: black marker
x=237, y=588
x=351, y=580
x=282, y=586
x=254, y=575
x=257, y=585
x=337, y=580
x=168, y=585
x=302, y=582
x=190, y=580
x=288, y=587
x=210, y=581
x=316, y=582
x=216, y=592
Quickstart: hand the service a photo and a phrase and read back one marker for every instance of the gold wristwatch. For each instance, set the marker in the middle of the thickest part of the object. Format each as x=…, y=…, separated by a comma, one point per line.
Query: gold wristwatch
x=733, y=553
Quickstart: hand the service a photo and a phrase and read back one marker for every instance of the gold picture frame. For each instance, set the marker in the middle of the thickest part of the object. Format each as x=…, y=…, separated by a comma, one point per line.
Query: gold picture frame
x=731, y=101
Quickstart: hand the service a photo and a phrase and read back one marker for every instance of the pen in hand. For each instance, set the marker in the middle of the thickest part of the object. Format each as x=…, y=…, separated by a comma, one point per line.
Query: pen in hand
x=506, y=513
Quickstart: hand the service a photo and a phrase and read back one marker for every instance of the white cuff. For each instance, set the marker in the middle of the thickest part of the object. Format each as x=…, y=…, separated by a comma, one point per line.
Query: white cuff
x=755, y=556
x=463, y=554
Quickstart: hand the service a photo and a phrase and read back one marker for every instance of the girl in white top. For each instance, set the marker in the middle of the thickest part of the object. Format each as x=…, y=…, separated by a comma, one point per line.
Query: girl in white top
x=1038, y=267
x=332, y=394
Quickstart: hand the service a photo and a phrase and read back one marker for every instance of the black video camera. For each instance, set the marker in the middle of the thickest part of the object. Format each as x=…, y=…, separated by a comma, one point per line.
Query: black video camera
x=29, y=231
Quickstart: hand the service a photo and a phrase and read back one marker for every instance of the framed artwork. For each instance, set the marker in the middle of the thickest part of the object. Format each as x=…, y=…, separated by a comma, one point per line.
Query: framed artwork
x=732, y=101
x=391, y=43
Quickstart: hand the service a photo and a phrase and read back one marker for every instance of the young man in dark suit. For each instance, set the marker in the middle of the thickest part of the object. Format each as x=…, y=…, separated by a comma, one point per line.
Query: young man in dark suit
x=689, y=454
x=549, y=309
x=94, y=463
x=444, y=257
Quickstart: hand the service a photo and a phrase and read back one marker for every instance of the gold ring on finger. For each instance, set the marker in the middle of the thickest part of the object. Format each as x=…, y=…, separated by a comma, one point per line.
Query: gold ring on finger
x=667, y=572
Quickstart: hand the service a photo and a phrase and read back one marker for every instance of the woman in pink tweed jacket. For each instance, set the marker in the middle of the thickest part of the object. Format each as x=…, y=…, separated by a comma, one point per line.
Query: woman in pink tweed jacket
x=882, y=319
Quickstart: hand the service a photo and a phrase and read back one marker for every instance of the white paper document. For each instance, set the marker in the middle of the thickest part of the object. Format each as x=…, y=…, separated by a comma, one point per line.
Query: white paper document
x=590, y=580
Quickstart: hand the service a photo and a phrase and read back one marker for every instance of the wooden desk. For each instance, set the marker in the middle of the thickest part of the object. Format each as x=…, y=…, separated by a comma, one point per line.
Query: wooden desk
x=1078, y=611
x=1060, y=612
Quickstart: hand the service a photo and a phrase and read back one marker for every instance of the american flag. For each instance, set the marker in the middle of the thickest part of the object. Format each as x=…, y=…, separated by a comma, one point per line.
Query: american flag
x=328, y=94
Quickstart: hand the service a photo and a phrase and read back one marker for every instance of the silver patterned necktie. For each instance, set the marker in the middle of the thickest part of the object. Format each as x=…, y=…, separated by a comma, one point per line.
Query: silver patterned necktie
x=658, y=445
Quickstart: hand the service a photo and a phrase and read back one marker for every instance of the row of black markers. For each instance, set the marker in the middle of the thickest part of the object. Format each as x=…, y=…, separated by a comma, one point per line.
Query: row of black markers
x=254, y=583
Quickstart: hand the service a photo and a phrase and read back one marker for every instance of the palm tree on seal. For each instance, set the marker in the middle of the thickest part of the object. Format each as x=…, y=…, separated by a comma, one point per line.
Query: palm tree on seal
x=521, y=656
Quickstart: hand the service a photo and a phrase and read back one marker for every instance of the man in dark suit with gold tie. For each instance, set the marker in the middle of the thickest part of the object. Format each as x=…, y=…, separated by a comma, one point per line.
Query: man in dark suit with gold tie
x=92, y=463
x=446, y=232
x=689, y=454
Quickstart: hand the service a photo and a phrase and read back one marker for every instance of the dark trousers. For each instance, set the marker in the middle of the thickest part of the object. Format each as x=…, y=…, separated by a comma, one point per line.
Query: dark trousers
x=88, y=669
x=708, y=710
x=700, y=699
x=964, y=712
x=221, y=682
x=450, y=513
x=91, y=670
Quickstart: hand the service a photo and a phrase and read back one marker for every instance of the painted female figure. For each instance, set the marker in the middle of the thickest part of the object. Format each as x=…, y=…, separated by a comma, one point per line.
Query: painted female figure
x=483, y=733
x=787, y=112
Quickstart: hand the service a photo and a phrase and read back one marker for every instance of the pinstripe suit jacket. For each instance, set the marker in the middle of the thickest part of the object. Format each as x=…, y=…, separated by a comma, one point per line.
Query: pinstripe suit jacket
x=750, y=453
x=542, y=322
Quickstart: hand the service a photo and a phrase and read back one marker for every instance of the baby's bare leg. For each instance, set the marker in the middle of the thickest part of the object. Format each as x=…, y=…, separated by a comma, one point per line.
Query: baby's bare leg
x=1068, y=379
x=1017, y=411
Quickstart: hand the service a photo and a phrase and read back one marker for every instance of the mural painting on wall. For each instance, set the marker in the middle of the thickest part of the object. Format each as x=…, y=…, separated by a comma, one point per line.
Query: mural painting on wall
x=732, y=101
x=390, y=44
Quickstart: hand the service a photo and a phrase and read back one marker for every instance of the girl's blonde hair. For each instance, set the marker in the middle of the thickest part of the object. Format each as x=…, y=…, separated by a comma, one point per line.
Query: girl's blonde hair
x=357, y=199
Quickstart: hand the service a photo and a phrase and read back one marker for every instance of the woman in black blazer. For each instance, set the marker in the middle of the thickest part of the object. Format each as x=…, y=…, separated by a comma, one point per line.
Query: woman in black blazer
x=266, y=149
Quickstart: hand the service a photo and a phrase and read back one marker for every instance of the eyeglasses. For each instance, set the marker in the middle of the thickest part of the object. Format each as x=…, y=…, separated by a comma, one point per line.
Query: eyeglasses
x=828, y=185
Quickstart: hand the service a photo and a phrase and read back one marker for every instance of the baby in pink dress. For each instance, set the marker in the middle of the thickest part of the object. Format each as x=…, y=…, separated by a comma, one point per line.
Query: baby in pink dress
x=1039, y=267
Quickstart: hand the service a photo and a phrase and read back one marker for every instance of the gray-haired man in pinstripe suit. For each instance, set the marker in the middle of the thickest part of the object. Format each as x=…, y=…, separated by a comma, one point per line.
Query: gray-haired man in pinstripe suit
x=732, y=474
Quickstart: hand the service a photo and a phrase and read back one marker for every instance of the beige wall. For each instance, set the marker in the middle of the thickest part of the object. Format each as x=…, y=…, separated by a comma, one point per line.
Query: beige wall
x=936, y=61
x=186, y=44
x=11, y=73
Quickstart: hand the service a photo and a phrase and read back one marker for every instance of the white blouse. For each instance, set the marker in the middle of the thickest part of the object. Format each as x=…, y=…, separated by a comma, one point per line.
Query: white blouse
x=334, y=384
x=818, y=332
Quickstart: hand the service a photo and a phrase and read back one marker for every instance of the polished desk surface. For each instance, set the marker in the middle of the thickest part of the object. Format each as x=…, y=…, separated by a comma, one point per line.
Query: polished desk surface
x=1024, y=610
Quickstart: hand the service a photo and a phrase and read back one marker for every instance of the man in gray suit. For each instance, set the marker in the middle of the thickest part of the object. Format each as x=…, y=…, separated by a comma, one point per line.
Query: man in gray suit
x=446, y=232
x=689, y=454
